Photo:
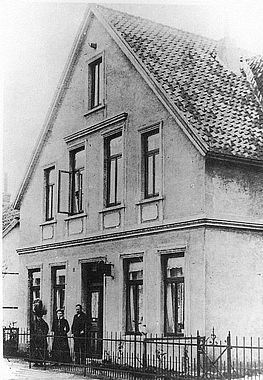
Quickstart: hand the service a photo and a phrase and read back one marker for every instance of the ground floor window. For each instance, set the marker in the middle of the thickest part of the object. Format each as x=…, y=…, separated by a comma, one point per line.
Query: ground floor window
x=134, y=294
x=58, y=275
x=174, y=309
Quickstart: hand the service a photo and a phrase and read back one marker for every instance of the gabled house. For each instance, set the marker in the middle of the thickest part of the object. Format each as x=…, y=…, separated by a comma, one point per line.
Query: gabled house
x=143, y=199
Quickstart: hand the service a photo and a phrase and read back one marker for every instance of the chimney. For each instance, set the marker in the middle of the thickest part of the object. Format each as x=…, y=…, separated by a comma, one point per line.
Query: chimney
x=6, y=196
x=228, y=54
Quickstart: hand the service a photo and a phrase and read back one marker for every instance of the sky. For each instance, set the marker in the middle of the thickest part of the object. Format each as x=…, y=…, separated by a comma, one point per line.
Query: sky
x=38, y=36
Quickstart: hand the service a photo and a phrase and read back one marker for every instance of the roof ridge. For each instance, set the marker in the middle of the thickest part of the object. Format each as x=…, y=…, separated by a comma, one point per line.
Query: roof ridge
x=208, y=39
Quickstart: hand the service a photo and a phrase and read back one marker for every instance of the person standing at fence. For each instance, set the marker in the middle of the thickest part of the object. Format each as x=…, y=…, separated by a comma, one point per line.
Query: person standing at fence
x=79, y=330
x=60, y=347
x=39, y=331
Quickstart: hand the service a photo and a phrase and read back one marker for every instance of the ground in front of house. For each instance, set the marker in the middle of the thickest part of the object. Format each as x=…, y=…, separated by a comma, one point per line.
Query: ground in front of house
x=13, y=369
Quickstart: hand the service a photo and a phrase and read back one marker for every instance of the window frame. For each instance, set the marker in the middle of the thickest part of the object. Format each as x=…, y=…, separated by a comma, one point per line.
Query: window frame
x=108, y=159
x=175, y=280
x=31, y=289
x=91, y=105
x=55, y=287
x=143, y=132
x=128, y=284
x=47, y=190
x=72, y=179
x=70, y=182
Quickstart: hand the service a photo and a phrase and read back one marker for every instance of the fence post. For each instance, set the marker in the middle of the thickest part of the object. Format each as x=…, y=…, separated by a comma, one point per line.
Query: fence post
x=85, y=353
x=144, y=355
x=229, y=356
x=198, y=359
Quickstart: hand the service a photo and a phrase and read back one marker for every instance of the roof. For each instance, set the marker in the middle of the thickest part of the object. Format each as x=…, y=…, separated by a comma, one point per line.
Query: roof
x=217, y=109
x=10, y=218
x=220, y=105
x=256, y=66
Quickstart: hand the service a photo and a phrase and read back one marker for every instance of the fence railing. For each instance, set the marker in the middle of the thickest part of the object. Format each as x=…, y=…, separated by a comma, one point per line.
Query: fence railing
x=137, y=356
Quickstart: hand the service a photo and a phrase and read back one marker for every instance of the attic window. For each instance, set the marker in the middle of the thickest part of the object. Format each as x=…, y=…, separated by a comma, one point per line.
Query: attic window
x=95, y=83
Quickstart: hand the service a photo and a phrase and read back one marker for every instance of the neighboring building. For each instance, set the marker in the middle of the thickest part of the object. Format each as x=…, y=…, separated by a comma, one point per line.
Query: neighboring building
x=10, y=263
x=155, y=150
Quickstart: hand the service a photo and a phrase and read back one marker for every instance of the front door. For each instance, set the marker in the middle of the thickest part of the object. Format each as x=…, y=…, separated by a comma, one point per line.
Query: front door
x=92, y=280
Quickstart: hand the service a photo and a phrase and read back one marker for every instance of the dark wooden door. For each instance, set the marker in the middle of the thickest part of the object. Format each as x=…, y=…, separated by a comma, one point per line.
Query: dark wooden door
x=93, y=300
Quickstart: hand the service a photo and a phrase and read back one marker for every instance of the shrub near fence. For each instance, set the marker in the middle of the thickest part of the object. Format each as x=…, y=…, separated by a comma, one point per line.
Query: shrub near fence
x=151, y=356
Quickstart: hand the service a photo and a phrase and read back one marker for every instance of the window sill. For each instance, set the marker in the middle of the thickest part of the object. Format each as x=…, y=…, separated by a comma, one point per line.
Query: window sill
x=100, y=107
x=150, y=200
x=76, y=216
x=111, y=208
x=48, y=222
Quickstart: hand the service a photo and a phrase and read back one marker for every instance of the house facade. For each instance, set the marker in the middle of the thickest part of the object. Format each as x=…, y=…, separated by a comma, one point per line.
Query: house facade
x=10, y=263
x=143, y=200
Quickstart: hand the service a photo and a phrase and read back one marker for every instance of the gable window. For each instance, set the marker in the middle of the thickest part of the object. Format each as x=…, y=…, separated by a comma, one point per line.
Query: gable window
x=151, y=163
x=113, y=167
x=173, y=275
x=134, y=294
x=70, y=184
x=58, y=278
x=95, y=83
x=49, y=175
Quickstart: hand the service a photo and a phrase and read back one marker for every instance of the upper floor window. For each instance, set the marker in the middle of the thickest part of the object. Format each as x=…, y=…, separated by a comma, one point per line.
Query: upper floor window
x=174, y=309
x=114, y=172
x=151, y=163
x=134, y=294
x=77, y=160
x=70, y=184
x=95, y=83
x=49, y=192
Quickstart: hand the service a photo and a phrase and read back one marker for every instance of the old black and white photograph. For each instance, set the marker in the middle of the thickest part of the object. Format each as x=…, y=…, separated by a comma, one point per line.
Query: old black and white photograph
x=132, y=190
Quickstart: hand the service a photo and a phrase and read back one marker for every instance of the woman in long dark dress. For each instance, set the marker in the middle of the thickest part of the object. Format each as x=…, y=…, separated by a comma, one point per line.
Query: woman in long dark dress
x=60, y=348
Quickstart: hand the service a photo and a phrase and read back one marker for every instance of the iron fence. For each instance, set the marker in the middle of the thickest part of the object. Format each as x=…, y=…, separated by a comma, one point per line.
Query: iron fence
x=141, y=356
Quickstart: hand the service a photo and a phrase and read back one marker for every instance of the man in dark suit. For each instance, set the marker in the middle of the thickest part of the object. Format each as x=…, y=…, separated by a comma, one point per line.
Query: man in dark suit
x=79, y=330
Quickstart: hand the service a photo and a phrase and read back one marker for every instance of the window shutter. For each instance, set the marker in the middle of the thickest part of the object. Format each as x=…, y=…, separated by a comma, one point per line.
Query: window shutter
x=63, y=192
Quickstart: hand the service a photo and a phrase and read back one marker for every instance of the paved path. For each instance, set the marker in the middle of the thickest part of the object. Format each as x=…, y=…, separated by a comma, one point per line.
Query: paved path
x=13, y=369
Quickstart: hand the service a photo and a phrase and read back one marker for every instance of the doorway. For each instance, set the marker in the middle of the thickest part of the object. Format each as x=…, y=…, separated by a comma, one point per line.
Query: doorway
x=92, y=291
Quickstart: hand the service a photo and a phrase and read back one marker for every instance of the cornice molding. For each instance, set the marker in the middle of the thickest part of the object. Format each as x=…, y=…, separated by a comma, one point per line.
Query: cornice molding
x=183, y=225
x=96, y=127
x=234, y=159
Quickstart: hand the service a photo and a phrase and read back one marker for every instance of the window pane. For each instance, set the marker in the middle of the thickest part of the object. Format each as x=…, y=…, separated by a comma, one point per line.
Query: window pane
x=95, y=305
x=96, y=85
x=175, y=267
x=52, y=176
x=79, y=160
x=60, y=298
x=35, y=294
x=36, y=278
x=171, y=308
x=119, y=180
x=112, y=181
x=60, y=276
x=150, y=175
x=140, y=304
x=135, y=270
x=131, y=308
x=180, y=301
x=153, y=141
x=116, y=146
x=157, y=174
